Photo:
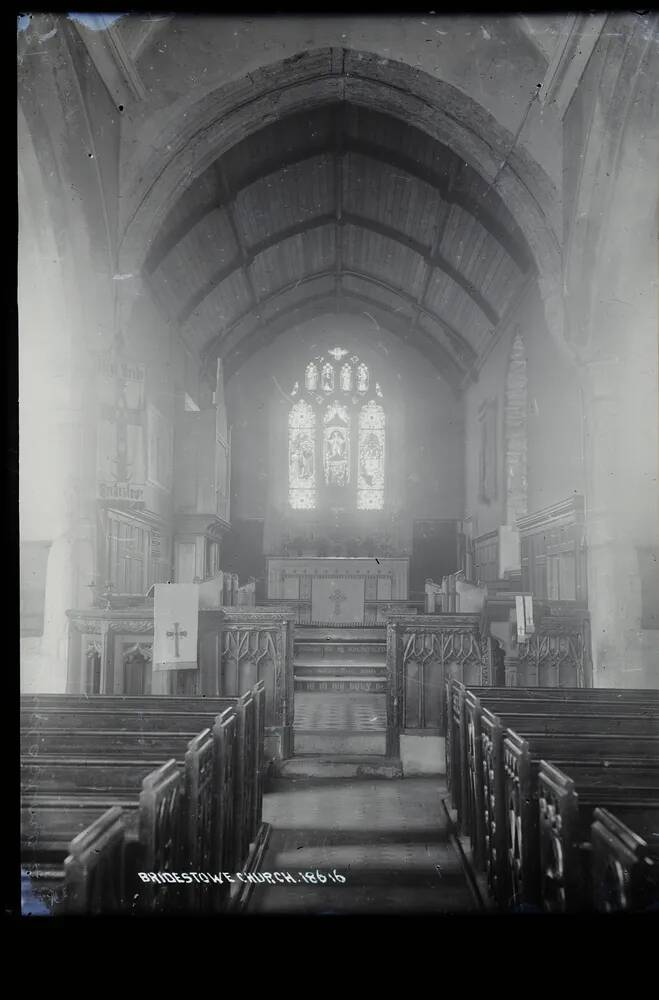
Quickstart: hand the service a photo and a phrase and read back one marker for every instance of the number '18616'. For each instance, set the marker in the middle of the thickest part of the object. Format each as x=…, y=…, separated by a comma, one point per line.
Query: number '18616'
x=320, y=878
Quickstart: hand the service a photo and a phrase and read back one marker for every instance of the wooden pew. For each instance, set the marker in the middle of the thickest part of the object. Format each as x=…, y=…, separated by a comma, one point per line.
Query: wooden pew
x=107, y=780
x=82, y=775
x=513, y=766
x=566, y=803
x=539, y=716
x=56, y=819
x=456, y=747
x=126, y=702
x=74, y=719
x=162, y=837
x=47, y=714
x=233, y=754
x=624, y=865
x=95, y=868
x=170, y=826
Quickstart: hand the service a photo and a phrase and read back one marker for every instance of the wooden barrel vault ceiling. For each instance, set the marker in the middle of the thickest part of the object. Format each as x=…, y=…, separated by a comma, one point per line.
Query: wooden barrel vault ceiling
x=340, y=209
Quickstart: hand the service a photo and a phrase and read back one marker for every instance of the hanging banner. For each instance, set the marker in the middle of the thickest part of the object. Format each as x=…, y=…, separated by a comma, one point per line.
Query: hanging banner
x=175, y=626
x=524, y=610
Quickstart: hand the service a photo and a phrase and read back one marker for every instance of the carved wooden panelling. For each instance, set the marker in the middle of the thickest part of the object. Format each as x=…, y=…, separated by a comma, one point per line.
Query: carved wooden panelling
x=421, y=653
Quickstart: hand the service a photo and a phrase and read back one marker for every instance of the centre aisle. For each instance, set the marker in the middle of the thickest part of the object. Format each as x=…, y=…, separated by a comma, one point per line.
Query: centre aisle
x=389, y=839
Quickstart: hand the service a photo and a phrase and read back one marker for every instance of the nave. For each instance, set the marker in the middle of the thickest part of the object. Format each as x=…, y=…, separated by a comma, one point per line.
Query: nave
x=388, y=838
x=549, y=805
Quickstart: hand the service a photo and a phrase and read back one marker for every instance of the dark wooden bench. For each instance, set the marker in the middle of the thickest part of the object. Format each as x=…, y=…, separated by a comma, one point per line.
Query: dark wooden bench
x=223, y=783
x=132, y=703
x=90, y=776
x=43, y=716
x=455, y=707
x=85, y=719
x=91, y=880
x=566, y=803
x=511, y=788
x=624, y=863
x=539, y=716
x=169, y=824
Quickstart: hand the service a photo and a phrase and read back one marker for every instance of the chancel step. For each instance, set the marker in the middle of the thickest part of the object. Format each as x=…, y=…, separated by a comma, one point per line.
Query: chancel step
x=373, y=684
x=339, y=669
x=318, y=653
x=340, y=683
x=338, y=766
x=329, y=634
x=336, y=742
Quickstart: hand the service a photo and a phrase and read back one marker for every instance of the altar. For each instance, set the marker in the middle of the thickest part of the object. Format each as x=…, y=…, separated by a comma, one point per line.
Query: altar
x=339, y=590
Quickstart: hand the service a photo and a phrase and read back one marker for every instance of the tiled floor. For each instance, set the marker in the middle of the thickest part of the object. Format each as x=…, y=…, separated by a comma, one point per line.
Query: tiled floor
x=387, y=838
x=336, y=710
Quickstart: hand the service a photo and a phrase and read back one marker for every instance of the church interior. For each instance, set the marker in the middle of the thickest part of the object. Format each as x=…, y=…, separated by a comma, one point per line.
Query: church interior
x=338, y=463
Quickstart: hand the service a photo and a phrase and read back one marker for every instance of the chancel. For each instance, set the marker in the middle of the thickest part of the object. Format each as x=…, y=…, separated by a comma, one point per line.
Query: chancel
x=338, y=444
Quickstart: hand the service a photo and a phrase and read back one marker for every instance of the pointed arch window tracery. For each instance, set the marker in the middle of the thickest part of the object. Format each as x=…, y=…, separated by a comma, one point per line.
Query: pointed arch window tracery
x=337, y=436
x=302, y=490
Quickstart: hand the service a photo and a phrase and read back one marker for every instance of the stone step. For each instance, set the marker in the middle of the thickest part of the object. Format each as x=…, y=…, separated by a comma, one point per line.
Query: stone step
x=329, y=667
x=374, y=685
x=328, y=633
x=340, y=650
x=336, y=741
x=337, y=766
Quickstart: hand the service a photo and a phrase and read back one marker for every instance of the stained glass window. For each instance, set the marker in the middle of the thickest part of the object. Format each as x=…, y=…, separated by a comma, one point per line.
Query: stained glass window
x=336, y=441
x=327, y=378
x=336, y=445
x=370, y=478
x=302, y=456
x=311, y=377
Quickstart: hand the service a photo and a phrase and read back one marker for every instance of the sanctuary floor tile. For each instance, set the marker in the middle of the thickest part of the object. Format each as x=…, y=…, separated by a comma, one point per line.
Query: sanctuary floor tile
x=332, y=710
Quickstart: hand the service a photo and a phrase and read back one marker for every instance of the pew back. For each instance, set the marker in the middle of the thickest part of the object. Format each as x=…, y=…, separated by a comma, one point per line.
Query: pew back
x=625, y=867
x=94, y=870
x=456, y=741
x=162, y=836
x=565, y=806
x=517, y=807
x=202, y=814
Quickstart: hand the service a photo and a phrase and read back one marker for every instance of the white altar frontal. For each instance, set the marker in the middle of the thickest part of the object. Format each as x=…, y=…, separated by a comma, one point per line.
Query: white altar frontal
x=339, y=590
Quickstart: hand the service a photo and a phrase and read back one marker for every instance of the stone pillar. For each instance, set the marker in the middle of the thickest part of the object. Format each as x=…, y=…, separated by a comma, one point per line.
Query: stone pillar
x=620, y=432
x=611, y=295
x=66, y=314
x=57, y=444
x=624, y=653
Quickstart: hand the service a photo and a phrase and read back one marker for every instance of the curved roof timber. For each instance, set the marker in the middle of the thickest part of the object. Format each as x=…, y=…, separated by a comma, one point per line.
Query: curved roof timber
x=347, y=303
x=452, y=345
x=324, y=211
x=431, y=259
x=253, y=173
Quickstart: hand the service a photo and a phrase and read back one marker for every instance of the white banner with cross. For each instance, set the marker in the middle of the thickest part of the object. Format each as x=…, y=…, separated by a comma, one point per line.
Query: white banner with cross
x=524, y=614
x=175, y=626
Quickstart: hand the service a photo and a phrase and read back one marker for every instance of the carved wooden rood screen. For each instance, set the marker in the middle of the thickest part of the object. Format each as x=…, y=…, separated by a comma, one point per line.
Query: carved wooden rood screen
x=557, y=655
x=422, y=652
x=237, y=648
x=259, y=647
